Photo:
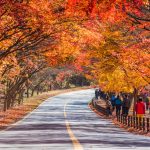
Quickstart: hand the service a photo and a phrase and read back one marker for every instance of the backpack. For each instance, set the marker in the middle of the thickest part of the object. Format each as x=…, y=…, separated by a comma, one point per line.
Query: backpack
x=118, y=101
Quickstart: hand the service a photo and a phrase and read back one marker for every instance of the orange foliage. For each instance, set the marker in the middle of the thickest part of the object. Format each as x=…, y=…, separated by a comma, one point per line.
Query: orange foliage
x=102, y=38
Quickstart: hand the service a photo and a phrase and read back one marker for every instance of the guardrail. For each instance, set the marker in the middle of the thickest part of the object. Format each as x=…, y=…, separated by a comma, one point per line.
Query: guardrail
x=140, y=123
x=99, y=108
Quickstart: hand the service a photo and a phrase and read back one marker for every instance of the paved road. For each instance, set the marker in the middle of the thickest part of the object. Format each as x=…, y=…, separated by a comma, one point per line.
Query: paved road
x=65, y=122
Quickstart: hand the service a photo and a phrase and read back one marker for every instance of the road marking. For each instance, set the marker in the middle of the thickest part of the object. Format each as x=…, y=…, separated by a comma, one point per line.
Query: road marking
x=76, y=143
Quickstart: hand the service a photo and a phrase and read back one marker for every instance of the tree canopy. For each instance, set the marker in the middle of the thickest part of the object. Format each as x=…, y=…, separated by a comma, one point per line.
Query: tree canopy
x=106, y=40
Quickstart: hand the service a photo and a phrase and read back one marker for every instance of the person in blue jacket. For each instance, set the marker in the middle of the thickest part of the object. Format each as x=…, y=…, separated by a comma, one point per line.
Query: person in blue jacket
x=118, y=104
x=113, y=98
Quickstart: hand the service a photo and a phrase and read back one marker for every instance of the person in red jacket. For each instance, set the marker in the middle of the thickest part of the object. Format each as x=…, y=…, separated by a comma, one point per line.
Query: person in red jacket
x=140, y=108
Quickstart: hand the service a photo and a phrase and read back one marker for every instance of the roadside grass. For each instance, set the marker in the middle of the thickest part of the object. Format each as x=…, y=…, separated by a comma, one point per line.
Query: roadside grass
x=17, y=113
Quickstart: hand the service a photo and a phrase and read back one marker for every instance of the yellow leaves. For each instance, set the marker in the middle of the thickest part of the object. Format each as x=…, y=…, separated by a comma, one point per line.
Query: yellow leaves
x=5, y=44
x=119, y=64
x=40, y=5
x=105, y=46
x=5, y=20
x=10, y=66
x=114, y=81
x=89, y=77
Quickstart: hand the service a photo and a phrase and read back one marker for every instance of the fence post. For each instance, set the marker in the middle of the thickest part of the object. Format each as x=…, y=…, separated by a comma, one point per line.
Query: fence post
x=128, y=121
x=143, y=124
x=137, y=122
x=117, y=117
x=125, y=120
x=147, y=124
x=121, y=119
x=140, y=123
x=131, y=121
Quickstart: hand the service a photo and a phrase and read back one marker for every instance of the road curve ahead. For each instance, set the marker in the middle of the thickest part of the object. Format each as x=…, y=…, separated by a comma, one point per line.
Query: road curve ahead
x=65, y=122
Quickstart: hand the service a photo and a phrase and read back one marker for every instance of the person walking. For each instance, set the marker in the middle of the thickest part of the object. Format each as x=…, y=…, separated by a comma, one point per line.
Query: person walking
x=140, y=108
x=113, y=101
x=102, y=95
x=146, y=100
x=96, y=94
x=108, y=106
x=118, y=104
x=125, y=105
x=99, y=93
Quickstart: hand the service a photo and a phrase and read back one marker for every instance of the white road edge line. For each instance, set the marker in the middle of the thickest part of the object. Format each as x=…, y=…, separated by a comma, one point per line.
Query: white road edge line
x=75, y=142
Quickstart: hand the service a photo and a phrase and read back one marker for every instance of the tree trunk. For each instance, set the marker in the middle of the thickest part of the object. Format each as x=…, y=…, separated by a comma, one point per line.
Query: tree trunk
x=32, y=92
x=5, y=104
x=20, y=99
x=27, y=92
x=50, y=87
x=82, y=82
x=135, y=96
x=38, y=90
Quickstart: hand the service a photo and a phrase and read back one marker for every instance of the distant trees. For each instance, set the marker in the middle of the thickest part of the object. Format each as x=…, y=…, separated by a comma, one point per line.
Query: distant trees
x=70, y=78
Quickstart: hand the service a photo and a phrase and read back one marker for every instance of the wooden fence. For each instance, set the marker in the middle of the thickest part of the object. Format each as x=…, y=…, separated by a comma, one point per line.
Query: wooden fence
x=140, y=123
x=99, y=108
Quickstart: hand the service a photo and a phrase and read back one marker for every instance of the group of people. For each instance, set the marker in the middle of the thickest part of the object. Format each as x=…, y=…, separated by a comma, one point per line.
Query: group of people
x=99, y=94
x=121, y=103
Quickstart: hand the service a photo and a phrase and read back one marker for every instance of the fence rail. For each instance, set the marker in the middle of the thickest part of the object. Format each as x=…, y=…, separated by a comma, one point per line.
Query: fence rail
x=140, y=123
x=98, y=107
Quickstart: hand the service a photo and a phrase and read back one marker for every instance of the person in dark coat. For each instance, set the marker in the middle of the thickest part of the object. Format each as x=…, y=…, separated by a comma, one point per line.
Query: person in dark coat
x=146, y=101
x=118, y=104
x=126, y=105
x=96, y=94
x=108, y=106
x=99, y=93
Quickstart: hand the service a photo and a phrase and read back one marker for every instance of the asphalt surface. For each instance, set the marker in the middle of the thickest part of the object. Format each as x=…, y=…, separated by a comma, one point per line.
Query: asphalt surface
x=65, y=122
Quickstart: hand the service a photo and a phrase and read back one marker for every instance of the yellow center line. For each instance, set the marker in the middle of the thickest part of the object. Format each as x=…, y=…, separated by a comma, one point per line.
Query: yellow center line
x=76, y=143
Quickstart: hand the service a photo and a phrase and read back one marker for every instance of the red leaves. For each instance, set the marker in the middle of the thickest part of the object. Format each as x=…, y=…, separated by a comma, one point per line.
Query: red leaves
x=132, y=28
x=138, y=2
x=106, y=9
x=92, y=7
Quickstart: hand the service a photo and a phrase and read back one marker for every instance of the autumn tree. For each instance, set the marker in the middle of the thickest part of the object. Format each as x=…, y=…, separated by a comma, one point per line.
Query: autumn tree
x=107, y=40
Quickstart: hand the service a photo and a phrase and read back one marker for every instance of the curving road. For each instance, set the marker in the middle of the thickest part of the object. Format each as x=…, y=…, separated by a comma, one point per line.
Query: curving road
x=65, y=122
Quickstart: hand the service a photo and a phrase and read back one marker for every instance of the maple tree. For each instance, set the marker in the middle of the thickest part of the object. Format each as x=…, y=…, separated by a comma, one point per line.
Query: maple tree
x=22, y=30
x=107, y=40
x=121, y=62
